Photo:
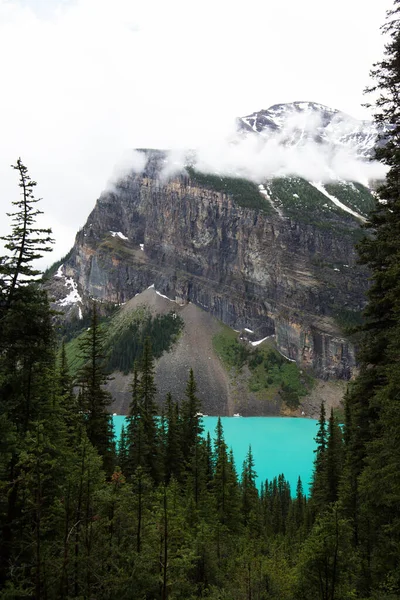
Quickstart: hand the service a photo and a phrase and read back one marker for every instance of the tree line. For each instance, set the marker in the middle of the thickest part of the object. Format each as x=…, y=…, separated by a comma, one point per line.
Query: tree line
x=161, y=514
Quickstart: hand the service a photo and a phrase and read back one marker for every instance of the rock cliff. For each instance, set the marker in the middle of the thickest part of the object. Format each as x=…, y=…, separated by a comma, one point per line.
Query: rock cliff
x=287, y=269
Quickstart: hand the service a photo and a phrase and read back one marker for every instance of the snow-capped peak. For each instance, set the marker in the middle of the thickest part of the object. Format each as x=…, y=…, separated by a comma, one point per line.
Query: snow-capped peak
x=301, y=122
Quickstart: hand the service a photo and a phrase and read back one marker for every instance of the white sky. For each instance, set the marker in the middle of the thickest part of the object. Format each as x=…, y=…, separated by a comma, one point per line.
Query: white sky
x=82, y=81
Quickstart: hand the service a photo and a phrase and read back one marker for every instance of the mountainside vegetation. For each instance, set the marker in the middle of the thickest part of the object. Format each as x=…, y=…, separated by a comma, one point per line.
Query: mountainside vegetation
x=244, y=193
x=125, y=333
x=354, y=195
x=271, y=374
x=299, y=199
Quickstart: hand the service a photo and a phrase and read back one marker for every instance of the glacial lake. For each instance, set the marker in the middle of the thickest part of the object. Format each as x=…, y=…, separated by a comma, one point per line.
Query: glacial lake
x=279, y=444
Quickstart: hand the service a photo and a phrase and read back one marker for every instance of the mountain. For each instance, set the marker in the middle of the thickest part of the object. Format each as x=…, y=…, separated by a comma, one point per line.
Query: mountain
x=301, y=122
x=271, y=260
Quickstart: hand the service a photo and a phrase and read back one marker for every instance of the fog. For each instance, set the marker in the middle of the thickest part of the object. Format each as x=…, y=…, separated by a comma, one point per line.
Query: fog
x=86, y=81
x=296, y=150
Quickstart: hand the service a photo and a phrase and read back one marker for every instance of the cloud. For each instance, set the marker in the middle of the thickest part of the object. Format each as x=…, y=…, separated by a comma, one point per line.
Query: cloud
x=131, y=161
x=86, y=80
x=288, y=153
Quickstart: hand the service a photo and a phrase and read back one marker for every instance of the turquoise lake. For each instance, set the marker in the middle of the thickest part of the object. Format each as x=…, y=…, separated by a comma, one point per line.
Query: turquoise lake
x=279, y=444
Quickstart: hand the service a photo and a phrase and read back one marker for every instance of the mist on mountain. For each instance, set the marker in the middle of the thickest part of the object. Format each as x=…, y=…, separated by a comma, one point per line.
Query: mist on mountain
x=302, y=139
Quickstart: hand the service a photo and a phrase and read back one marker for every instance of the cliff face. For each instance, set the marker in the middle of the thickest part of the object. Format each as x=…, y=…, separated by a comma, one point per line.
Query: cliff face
x=260, y=270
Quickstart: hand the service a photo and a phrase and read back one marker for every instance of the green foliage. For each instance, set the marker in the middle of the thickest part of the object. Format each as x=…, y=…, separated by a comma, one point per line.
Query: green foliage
x=26, y=243
x=311, y=206
x=229, y=349
x=270, y=372
x=125, y=344
x=299, y=199
x=327, y=566
x=243, y=192
x=125, y=335
x=369, y=491
x=93, y=399
x=172, y=520
x=354, y=195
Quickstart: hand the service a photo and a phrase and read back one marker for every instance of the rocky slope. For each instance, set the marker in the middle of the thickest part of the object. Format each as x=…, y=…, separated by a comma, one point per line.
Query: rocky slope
x=233, y=374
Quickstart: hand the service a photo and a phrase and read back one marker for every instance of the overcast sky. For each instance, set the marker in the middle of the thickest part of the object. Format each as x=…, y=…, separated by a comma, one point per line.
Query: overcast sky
x=82, y=81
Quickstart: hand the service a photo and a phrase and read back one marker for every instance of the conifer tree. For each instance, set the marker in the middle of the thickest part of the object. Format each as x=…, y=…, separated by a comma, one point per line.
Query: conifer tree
x=134, y=430
x=93, y=397
x=319, y=483
x=191, y=420
x=225, y=485
x=249, y=489
x=26, y=243
x=173, y=452
x=148, y=414
x=334, y=458
x=26, y=357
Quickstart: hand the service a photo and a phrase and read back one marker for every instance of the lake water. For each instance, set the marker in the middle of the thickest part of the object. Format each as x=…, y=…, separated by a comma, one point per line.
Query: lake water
x=279, y=444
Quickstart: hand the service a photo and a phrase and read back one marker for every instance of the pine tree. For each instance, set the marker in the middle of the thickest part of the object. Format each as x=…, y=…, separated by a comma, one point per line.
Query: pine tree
x=26, y=333
x=93, y=397
x=225, y=485
x=25, y=244
x=26, y=358
x=134, y=430
x=148, y=415
x=191, y=420
x=249, y=490
x=68, y=399
x=173, y=457
x=319, y=490
x=334, y=458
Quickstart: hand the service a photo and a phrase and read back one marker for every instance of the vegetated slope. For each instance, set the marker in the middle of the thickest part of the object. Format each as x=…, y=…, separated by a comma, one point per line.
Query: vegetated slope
x=233, y=373
x=181, y=337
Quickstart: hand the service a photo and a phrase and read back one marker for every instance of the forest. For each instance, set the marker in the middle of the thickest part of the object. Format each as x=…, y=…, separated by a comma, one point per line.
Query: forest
x=165, y=513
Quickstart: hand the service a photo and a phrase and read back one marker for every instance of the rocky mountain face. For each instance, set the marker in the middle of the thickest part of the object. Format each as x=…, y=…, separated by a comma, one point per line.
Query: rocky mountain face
x=282, y=265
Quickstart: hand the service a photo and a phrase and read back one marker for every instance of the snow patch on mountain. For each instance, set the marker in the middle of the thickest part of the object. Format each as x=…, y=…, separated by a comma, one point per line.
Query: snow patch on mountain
x=163, y=296
x=258, y=342
x=118, y=234
x=59, y=272
x=266, y=195
x=320, y=187
x=73, y=296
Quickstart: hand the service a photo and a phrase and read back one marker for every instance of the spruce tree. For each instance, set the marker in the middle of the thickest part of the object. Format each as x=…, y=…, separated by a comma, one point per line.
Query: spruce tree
x=94, y=399
x=249, y=492
x=319, y=490
x=173, y=457
x=148, y=414
x=26, y=358
x=225, y=485
x=26, y=243
x=192, y=426
x=334, y=458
